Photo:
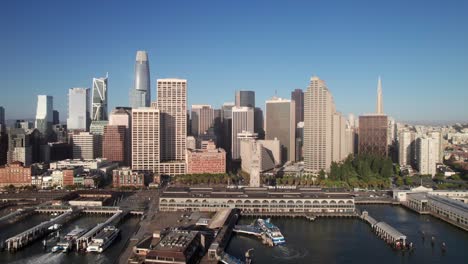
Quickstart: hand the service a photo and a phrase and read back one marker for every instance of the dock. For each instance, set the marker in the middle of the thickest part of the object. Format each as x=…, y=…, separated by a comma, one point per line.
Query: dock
x=82, y=242
x=385, y=231
x=26, y=237
x=247, y=229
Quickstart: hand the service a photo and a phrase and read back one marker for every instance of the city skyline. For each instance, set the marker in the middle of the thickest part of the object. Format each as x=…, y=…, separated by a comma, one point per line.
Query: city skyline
x=412, y=70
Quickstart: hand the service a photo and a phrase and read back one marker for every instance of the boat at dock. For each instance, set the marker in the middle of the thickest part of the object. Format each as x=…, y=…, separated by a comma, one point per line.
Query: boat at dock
x=103, y=240
x=66, y=244
x=272, y=231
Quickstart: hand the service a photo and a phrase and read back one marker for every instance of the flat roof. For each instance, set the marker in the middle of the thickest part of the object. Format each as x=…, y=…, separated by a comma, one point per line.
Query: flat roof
x=200, y=193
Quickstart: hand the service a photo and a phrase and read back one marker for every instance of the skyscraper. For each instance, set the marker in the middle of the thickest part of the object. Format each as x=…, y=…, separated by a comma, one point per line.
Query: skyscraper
x=373, y=135
x=99, y=99
x=298, y=97
x=140, y=95
x=242, y=120
x=78, y=109
x=145, y=139
x=202, y=119
x=318, y=110
x=281, y=124
x=172, y=104
x=122, y=116
x=2, y=115
x=113, y=144
x=44, y=114
x=56, y=117
x=406, y=141
x=226, y=134
x=379, y=97
x=427, y=151
x=85, y=146
x=245, y=98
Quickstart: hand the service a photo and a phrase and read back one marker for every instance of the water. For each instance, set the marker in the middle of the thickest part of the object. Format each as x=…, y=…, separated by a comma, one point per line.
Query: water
x=339, y=240
x=35, y=253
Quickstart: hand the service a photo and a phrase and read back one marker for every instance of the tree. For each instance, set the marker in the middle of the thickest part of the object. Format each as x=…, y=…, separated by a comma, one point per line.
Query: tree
x=399, y=181
x=408, y=181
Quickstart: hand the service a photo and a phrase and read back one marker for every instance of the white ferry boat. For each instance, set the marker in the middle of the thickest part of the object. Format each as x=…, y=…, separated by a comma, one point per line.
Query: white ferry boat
x=68, y=241
x=103, y=239
x=272, y=231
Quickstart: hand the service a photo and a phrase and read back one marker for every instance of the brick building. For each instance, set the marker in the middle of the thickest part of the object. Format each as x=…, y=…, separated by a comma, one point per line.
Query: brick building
x=373, y=135
x=15, y=174
x=113, y=145
x=209, y=160
x=128, y=178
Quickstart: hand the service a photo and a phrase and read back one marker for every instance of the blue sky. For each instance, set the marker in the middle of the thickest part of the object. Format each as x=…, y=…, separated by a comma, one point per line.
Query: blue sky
x=420, y=48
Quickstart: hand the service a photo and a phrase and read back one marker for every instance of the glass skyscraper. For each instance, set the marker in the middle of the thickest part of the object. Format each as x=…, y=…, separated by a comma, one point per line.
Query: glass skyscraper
x=140, y=96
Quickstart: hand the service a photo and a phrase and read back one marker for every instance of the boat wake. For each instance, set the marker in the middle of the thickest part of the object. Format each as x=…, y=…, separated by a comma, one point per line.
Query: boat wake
x=286, y=253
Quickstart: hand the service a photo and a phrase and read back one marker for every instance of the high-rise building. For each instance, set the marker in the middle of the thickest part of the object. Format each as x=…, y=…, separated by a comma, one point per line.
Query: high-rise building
x=2, y=115
x=140, y=94
x=99, y=99
x=373, y=130
x=258, y=122
x=427, y=149
x=245, y=98
x=299, y=141
x=56, y=117
x=113, y=144
x=318, y=111
x=406, y=140
x=281, y=124
x=298, y=97
x=226, y=134
x=373, y=135
x=202, y=119
x=379, y=109
x=172, y=104
x=145, y=139
x=23, y=146
x=44, y=114
x=339, y=140
x=242, y=120
x=85, y=146
x=78, y=109
x=122, y=116
x=268, y=153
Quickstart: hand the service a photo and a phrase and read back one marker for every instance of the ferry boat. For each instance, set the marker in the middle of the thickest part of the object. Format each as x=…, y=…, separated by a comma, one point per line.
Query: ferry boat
x=68, y=241
x=272, y=231
x=103, y=239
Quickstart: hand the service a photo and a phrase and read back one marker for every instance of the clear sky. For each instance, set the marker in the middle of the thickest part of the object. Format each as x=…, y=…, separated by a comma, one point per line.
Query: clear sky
x=420, y=48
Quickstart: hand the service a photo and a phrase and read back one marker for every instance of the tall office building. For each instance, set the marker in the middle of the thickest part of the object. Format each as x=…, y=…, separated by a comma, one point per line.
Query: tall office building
x=318, y=110
x=85, y=146
x=44, y=114
x=56, y=117
x=379, y=109
x=258, y=122
x=245, y=98
x=113, y=144
x=406, y=140
x=122, y=116
x=23, y=146
x=99, y=99
x=373, y=130
x=172, y=104
x=2, y=115
x=79, y=105
x=140, y=95
x=298, y=97
x=281, y=124
x=202, y=119
x=339, y=139
x=373, y=135
x=145, y=139
x=226, y=120
x=242, y=120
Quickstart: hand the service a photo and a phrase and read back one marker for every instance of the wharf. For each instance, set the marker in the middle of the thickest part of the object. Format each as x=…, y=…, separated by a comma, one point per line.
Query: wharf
x=385, y=231
x=82, y=242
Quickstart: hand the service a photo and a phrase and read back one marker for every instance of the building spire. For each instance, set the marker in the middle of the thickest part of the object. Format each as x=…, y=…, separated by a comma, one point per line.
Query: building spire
x=379, y=97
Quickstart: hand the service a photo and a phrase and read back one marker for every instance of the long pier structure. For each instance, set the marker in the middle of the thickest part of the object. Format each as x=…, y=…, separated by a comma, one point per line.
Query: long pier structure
x=385, y=231
x=24, y=238
x=83, y=241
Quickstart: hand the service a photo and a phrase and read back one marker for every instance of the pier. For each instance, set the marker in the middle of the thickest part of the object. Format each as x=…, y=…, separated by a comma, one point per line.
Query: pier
x=23, y=239
x=18, y=214
x=385, y=231
x=83, y=241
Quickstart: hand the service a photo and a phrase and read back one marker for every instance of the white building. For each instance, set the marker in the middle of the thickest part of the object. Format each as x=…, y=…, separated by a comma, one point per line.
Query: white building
x=78, y=109
x=405, y=148
x=427, y=152
x=99, y=99
x=44, y=113
x=85, y=146
x=266, y=152
x=145, y=139
x=242, y=120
